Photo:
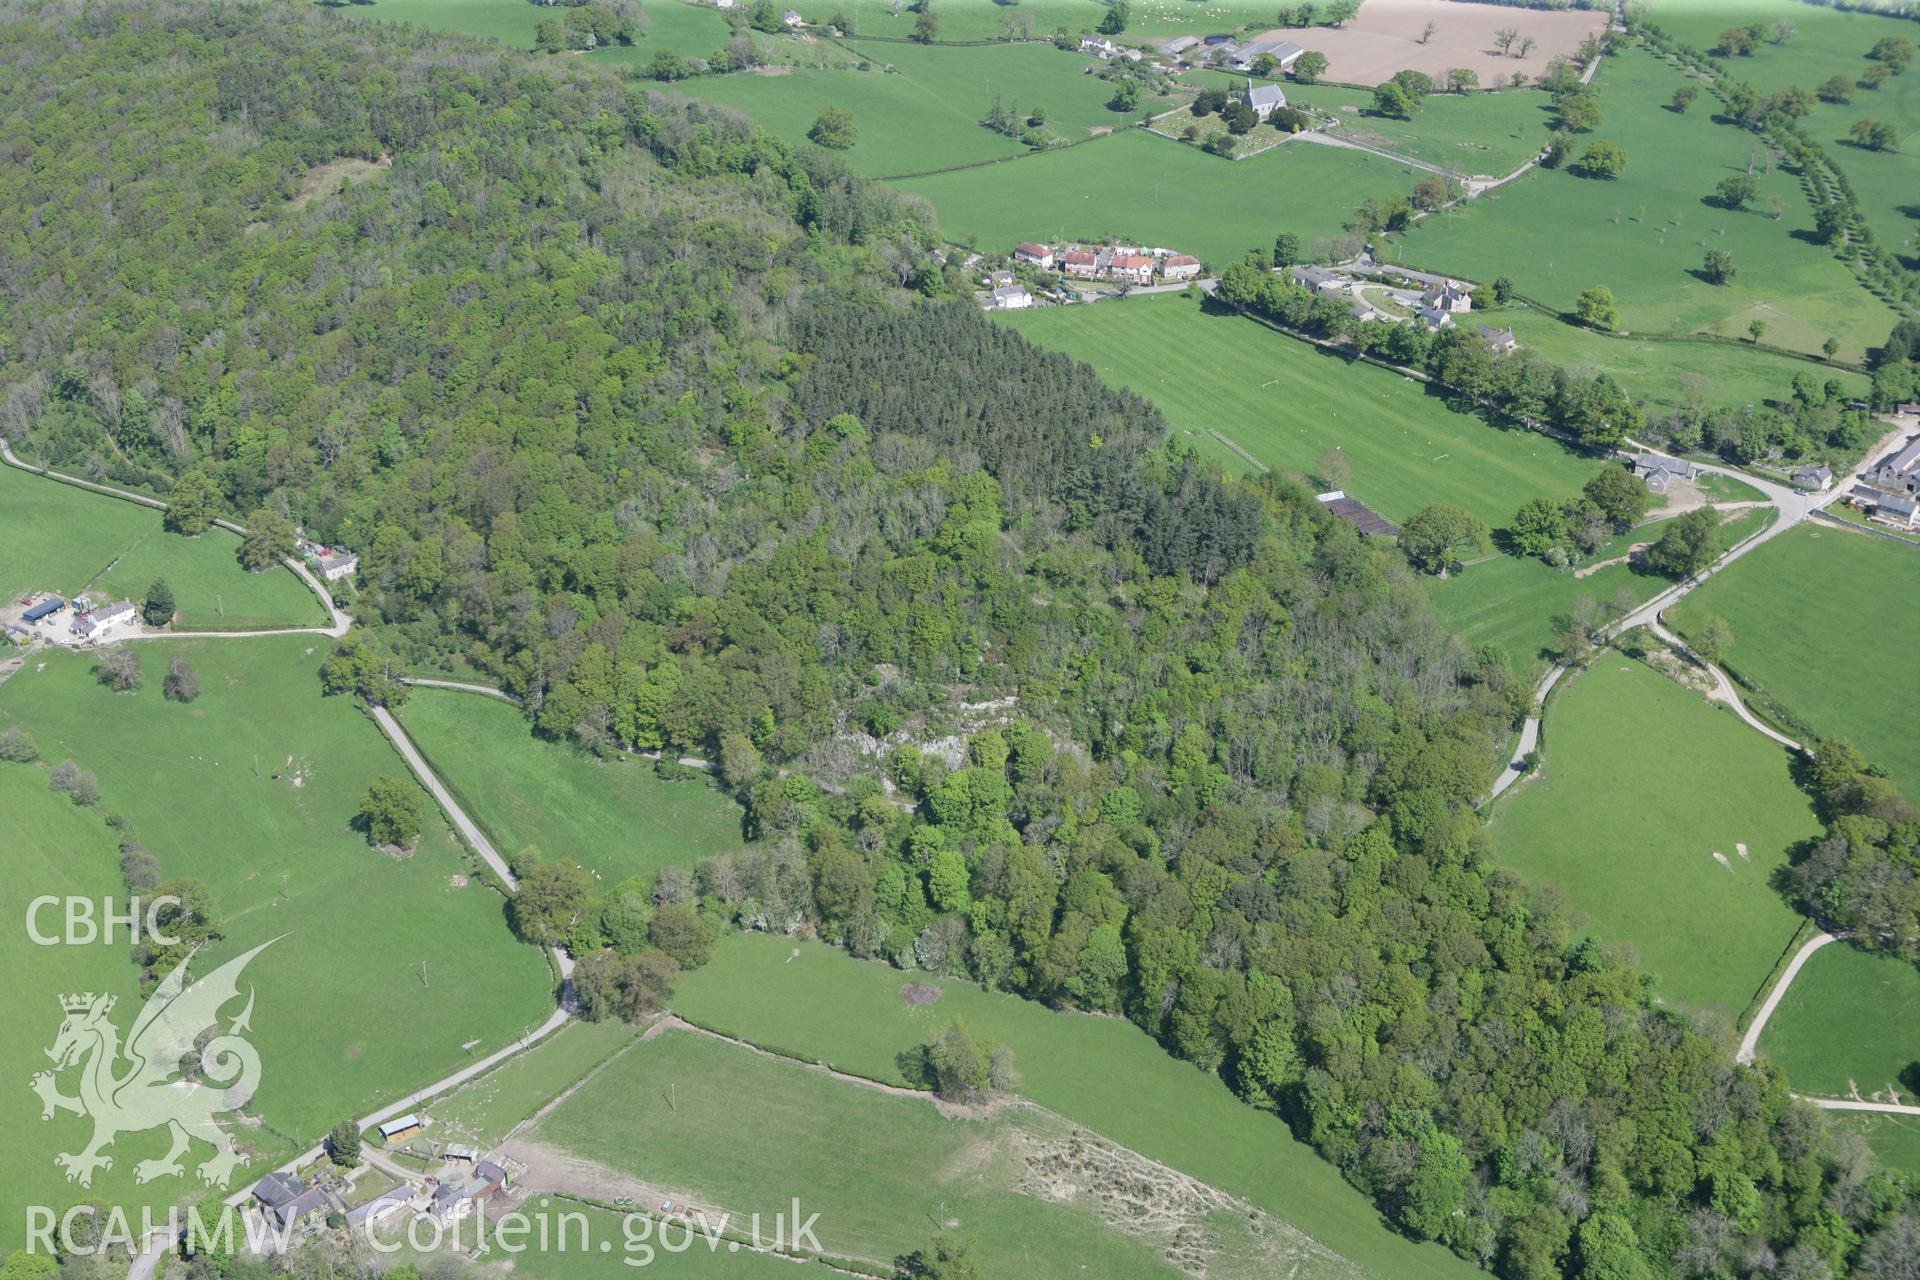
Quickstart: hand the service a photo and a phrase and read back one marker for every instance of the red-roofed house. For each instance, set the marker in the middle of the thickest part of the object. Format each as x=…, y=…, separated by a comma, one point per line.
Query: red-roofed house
x=1082, y=263
x=1038, y=254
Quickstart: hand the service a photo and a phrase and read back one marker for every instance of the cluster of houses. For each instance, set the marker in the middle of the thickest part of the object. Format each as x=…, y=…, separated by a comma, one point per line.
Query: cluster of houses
x=465, y=1182
x=1126, y=264
x=89, y=623
x=1891, y=494
x=1419, y=298
x=331, y=563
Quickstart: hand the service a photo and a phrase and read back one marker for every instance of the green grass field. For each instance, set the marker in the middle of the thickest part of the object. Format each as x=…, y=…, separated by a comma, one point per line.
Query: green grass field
x=387, y=972
x=1286, y=402
x=818, y=1003
x=545, y=800
x=1732, y=374
x=694, y=30
x=1143, y=188
x=1516, y=602
x=677, y=1110
x=63, y=539
x=1893, y=1139
x=1829, y=41
x=1850, y=1021
x=50, y=847
x=1820, y=621
x=977, y=20
x=1628, y=813
x=1486, y=134
x=484, y=1111
x=1645, y=234
x=926, y=113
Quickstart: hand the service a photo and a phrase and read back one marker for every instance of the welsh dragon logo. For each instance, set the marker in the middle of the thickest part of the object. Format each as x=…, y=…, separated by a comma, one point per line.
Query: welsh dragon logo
x=175, y=1076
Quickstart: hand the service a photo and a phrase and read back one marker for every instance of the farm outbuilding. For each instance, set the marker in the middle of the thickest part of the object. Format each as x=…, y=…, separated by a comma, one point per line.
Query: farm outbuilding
x=45, y=609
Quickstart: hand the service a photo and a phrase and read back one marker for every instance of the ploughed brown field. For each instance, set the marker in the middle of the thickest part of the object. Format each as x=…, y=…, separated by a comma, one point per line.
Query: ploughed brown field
x=1385, y=38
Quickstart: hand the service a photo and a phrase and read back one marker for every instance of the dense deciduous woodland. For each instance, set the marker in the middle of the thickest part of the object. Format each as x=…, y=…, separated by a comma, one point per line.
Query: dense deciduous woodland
x=626, y=404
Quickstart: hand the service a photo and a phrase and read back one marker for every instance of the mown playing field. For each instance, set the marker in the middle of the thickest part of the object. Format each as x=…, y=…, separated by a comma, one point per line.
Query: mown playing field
x=1822, y=621
x=1828, y=41
x=62, y=539
x=725, y=1128
x=1517, y=602
x=542, y=800
x=49, y=847
x=1645, y=234
x=820, y=1004
x=1287, y=401
x=1663, y=819
x=1146, y=189
x=386, y=972
x=919, y=108
x=1850, y=1026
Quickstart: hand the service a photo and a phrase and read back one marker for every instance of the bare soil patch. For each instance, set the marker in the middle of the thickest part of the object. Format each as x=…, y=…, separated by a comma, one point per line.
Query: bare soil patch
x=1385, y=38
x=919, y=993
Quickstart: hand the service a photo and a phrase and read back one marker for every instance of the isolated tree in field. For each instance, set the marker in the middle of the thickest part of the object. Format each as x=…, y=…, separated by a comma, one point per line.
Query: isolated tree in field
x=1836, y=89
x=156, y=609
x=1603, y=159
x=834, y=129
x=1504, y=38
x=1595, y=309
x=1711, y=638
x=1831, y=347
x=1309, y=66
x=1438, y=535
x=390, y=813
x=946, y=1257
x=192, y=504
x=1621, y=496
x=1783, y=30
x=1333, y=469
x=960, y=1065
x=1718, y=267
x=1893, y=52
x=1538, y=527
x=343, y=1144
x=1426, y=32
x=1526, y=46
x=182, y=683
x=926, y=27
x=268, y=541
x=1735, y=190
x=1875, y=135
x=1431, y=192
x=118, y=669
x=1738, y=41
x=1126, y=96
x=1503, y=290
x=17, y=746
x=1687, y=546
x=1391, y=99
x=1876, y=74
x=1118, y=14
x=1683, y=97
x=1758, y=330
x=552, y=900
